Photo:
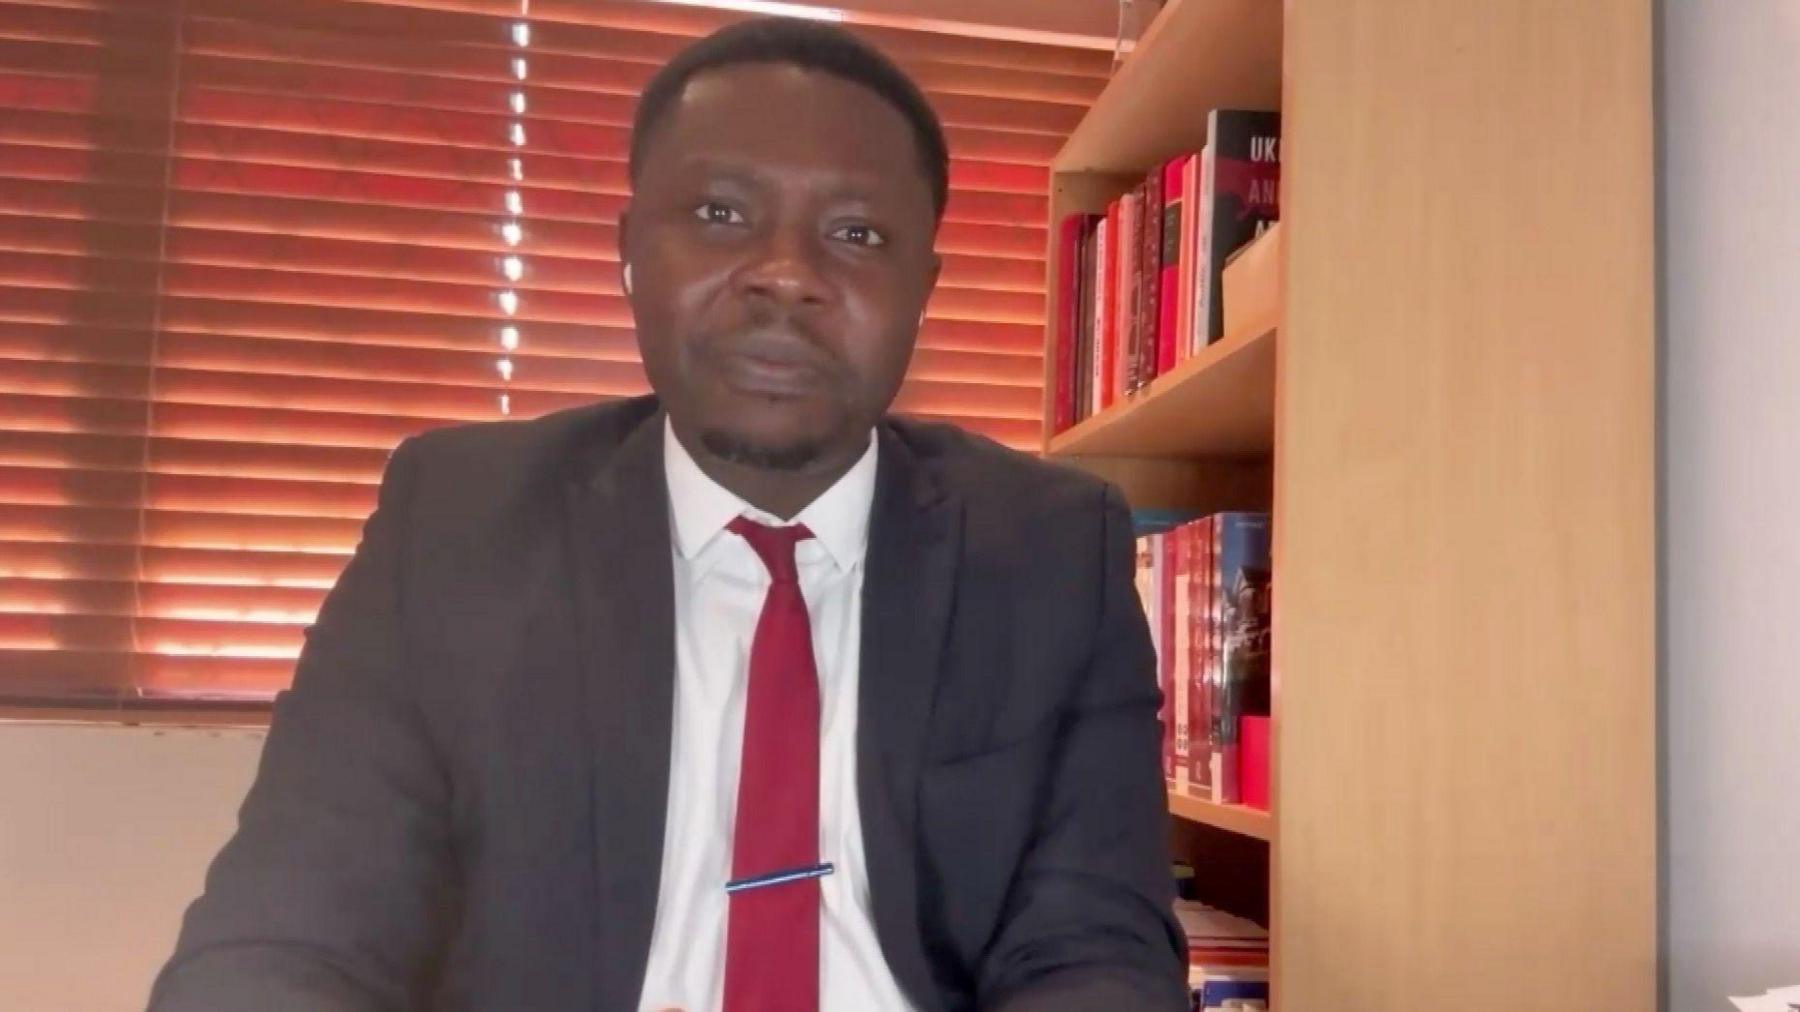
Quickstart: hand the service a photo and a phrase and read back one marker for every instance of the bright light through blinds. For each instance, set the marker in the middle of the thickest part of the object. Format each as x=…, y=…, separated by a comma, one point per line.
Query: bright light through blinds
x=512, y=266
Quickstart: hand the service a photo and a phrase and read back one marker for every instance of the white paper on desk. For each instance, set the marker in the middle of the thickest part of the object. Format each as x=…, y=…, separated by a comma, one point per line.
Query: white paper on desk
x=1776, y=999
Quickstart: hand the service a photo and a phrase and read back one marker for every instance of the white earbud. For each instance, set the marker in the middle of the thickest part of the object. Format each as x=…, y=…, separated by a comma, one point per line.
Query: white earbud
x=627, y=279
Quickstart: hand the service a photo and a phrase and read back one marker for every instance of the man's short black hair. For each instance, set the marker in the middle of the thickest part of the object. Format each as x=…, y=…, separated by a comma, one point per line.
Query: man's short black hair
x=808, y=45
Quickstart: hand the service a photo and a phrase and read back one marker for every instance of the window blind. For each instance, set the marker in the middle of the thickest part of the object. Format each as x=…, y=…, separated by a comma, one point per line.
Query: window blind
x=246, y=246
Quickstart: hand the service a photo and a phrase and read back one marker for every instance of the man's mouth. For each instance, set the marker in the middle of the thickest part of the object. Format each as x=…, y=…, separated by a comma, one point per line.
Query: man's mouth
x=770, y=366
x=768, y=377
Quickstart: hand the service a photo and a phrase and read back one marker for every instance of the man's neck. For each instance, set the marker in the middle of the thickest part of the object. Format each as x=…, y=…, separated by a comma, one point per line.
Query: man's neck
x=781, y=494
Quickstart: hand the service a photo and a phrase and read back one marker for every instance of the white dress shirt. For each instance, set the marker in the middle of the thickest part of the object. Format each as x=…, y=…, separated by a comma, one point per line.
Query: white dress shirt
x=719, y=589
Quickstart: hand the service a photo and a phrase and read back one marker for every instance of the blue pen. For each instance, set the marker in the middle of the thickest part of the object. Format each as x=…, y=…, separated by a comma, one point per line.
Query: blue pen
x=778, y=878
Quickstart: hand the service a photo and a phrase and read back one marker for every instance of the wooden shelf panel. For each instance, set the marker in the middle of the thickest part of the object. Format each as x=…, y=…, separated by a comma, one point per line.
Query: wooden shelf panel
x=1252, y=822
x=1219, y=403
x=1198, y=55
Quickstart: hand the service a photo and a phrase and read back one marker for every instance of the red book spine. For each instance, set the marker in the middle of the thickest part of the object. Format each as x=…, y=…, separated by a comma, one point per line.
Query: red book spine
x=1109, y=320
x=1253, y=761
x=1122, y=310
x=1149, y=583
x=1182, y=653
x=1096, y=366
x=1222, y=957
x=1199, y=701
x=1219, y=701
x=1084, y=321
x=1168, y=337
x=1131, y=288
x=1215, y=631
x=1185, y=344
x=1165, y=659
x=1068, y=318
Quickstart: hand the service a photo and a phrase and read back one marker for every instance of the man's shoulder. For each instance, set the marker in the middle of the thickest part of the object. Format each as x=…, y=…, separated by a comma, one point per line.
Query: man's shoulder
x=484, y=473
x=986, y=473
x=554, y=442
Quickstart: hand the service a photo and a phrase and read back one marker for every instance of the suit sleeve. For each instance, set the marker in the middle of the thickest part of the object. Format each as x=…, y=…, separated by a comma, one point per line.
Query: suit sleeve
x=1089, y=925
x=332, y=895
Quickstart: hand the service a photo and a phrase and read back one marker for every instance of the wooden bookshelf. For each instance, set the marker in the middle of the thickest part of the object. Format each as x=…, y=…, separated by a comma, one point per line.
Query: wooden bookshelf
x=1239, y=819
x=1452, y=422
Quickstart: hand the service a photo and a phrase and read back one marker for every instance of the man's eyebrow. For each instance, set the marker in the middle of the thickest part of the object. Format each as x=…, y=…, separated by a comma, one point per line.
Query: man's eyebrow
x=863, y=193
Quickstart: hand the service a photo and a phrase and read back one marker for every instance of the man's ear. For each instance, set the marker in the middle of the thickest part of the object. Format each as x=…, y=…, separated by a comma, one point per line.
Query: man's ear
x=625, y=246
x=931, y=280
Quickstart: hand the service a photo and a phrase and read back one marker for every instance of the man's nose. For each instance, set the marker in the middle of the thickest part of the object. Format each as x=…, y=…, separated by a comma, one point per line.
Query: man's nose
x=784, y=268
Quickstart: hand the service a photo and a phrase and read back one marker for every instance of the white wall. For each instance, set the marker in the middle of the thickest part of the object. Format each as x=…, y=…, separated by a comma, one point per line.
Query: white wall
x=1731, y=184
x=105, y=834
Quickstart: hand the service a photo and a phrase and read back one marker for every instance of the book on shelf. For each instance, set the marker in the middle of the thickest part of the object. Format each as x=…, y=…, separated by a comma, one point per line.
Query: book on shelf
x=1149, y=588
x=1237, y=662
x=1131, y=214
x=1228, y=957
x=1138, y=288
x=1174, y=175
x=1150, y=525
x=1084, y=321
x=1172, y=660
x=1188, y=256
x=1254, y=743
x=1205, y=589
x=1147, y=520
x=1106, y=253
x=1240, y=989
x=1209, y=927
x=1200, y=700
x=1240, y=198
x=1068, y=260
x=1150, y=278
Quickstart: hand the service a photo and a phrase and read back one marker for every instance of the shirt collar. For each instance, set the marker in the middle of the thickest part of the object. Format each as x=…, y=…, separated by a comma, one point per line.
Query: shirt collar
x=701, y=507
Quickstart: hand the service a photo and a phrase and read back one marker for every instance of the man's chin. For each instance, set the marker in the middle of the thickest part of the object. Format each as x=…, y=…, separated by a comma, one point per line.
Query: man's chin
x=761, y=453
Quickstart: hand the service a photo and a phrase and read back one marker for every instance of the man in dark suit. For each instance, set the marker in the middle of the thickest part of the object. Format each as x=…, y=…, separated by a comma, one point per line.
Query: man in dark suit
x=740, y=697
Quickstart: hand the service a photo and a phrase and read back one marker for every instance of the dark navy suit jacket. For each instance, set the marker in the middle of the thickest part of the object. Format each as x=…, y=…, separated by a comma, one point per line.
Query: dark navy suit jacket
x=461, y=802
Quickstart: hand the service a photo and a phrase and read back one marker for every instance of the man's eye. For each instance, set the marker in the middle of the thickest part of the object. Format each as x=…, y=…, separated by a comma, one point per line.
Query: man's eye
x=714, y=213
x=860, y=235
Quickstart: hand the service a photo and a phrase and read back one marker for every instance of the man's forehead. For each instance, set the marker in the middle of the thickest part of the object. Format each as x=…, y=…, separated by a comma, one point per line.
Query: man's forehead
x=780, y=103
x=841, y=176
x=745, y=79
x=748, y=80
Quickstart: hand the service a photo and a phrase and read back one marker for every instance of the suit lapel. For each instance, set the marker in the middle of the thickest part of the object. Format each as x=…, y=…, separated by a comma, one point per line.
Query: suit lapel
x=909, y=586
x=619, y=528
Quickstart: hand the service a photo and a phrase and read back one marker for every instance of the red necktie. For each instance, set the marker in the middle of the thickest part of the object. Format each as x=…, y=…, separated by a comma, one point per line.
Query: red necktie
x=772, y=944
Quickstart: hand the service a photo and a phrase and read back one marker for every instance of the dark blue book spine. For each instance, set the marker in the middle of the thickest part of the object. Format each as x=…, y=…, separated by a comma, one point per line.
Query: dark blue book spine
x=1215, y=993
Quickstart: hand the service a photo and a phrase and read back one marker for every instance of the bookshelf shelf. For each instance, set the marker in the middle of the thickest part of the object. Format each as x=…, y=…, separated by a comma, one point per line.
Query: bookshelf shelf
x=1221, y=402
x=1155, y=106
x=1244, y=821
